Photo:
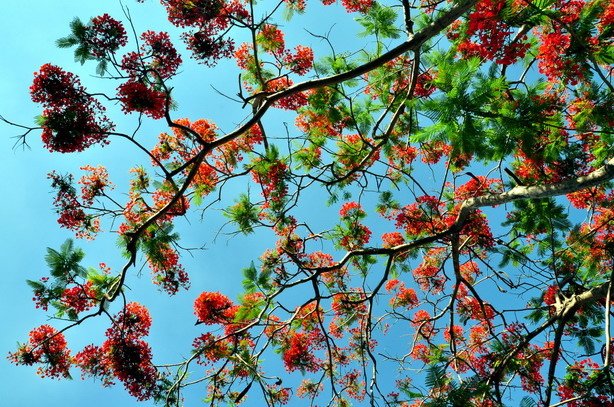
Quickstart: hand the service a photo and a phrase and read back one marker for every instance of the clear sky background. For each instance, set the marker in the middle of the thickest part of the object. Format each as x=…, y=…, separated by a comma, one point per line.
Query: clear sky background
x=28, y=30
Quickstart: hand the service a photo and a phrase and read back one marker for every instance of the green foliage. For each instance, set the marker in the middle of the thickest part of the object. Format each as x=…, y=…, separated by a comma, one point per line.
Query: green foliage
x=77, y=38
x=159, y=238
x=65, y=264
x=469, y=110
x=527, y=402
x=244, y=214
x=379, y=21
x=537, y=216
x=254, y=281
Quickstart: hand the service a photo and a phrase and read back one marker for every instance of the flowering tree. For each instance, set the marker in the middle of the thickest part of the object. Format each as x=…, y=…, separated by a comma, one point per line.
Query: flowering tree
x=453, y=116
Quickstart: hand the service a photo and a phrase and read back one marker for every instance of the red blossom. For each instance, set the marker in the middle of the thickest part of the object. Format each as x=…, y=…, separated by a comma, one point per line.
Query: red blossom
x=213, y=308
x=95, y=363
x=167, y=272
x=136, y=96
x=477, y=186
x=130, y=360
x=291, y=102
x=298, y=353
x=301, y=61
x=105, y=35
x=72, y=119
x=271, y=39
x=94, y=184
x=494, y=37
x=133, y=321
x=157, y=54
x=80, y=297
x=47, y=347
x=392, y=239
x=69, y=208
x=211, y=348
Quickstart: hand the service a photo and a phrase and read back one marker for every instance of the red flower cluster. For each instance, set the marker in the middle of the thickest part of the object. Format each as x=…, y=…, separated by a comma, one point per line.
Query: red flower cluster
x=214, y=308
x=301, y=61
x=136, y=96
x=272, y=179
x=47, y=347
x=157, y=55
x=211, y=19
x=351, y=6
x=127, y=355
x=554, y=61
x=421, y=217
x=168, y=273
x=298, y=353
x=70, y=210
x=104, y=36
x=353, y=233
x=211, y=349
x=93, y=363
x=433, y=151
x=292, y=102
x=477, y=186
x=392, y=239
x=271, y=39
x=471, y=307
x=423, y=321
x=80, y=297
x=72, y=119
x=94, y=184
x=494, y=36
x=403, y=297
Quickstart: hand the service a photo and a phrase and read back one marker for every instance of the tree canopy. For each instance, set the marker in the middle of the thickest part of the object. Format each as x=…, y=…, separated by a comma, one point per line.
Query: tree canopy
x=435, y=199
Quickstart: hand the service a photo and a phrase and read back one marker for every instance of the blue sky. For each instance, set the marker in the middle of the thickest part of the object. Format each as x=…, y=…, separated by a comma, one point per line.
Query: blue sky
x=28, y=29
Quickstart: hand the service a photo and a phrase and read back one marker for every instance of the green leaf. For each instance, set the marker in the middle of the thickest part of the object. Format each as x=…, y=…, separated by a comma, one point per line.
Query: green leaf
x=527, y=402
x=64, y=264
x=244, y=214
x=379, y=21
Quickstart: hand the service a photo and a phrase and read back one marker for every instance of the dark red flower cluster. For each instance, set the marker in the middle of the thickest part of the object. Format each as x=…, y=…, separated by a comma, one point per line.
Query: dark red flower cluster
x=214, y=308
x=80, y=297
x=211, y=19
x=157, y=55
x=69, y=209
x=351, y=6
x=136, y=96
x=72, y=120
x=494, y=37
x=168, y=273
x=298, y=353
x=47, y=347
x=127, y=354
x=104, y=36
